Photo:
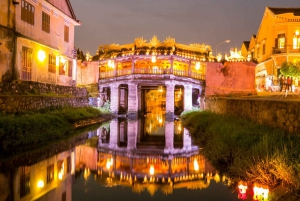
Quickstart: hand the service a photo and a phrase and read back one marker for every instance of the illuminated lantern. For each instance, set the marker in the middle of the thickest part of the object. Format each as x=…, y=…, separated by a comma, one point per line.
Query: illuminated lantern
x=40, y=184
x=41, y=55
x=196, y=165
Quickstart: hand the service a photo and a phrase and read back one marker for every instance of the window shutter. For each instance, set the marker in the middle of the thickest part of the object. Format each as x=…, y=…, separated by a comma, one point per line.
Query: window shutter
x=276, y=42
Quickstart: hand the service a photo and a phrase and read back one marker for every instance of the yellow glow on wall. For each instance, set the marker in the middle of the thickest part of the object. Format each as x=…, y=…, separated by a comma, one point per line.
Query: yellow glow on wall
x=41, y=55
x=40, y=184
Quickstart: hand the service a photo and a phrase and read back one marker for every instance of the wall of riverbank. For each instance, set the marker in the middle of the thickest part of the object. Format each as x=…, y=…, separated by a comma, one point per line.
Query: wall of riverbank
x=32, y=96
x=278, y=114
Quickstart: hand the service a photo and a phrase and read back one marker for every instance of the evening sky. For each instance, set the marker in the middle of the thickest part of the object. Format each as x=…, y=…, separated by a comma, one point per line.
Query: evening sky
x=188, y=21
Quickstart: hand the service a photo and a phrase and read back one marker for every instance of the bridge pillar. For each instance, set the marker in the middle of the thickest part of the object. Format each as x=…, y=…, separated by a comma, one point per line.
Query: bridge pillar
x=170, y=100
x=132, y=100
x=188, y=91
x=113, y=138
x=169, y=137
x=132, y=134
x=114, y=104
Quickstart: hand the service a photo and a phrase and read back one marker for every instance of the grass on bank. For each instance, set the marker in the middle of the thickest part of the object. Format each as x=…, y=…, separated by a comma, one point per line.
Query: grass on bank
x=35, y=128
x=247, y=150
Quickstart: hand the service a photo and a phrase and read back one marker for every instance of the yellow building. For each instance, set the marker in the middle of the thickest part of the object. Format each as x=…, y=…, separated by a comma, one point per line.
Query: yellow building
x=37, y=41
x=277, y=40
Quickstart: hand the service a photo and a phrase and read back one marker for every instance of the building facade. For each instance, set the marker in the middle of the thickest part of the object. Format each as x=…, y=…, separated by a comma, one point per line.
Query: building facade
x=37, y=41
x=277, y=41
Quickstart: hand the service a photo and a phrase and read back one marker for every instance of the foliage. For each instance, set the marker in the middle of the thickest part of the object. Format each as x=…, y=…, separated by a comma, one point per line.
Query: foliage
x=246, y=150
x=34, y=128
x=290, y=69
x=105, y=109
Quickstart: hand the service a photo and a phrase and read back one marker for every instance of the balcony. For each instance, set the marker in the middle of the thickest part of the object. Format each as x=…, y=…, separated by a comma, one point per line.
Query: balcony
x=285, y=50
x=149, y=71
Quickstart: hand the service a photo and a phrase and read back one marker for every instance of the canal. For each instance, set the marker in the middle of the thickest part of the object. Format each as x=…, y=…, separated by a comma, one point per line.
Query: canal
x=151, y=158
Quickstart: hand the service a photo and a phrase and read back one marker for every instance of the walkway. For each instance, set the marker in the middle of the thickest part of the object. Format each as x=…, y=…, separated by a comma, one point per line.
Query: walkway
x=276, y=96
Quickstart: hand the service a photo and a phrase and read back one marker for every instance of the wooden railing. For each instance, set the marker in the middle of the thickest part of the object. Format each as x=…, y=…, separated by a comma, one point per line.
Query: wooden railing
x=181, y=73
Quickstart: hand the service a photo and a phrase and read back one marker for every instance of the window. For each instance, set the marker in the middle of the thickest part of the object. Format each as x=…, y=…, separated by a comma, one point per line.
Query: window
x=264, y=49
x=52, y=64
x=26, y=63
x=281, y=41
x=24, y=181
x=258, y=52
x=27, y=12
x=62, y=66
x=45, y=22
x=64, y=196
x=60, y=169
x=50, y=173
x=69, y=164
x=70, y=68
x=66, y=34
x=296, y=41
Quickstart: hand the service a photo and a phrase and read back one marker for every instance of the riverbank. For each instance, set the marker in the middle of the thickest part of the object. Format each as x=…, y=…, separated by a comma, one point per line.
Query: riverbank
x=246, y=150
x=35, y=129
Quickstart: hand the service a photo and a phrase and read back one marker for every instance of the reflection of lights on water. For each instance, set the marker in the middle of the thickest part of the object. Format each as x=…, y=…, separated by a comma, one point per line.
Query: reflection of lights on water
x=260, y=193
x=86, y=173
x=109, y=163
x=196, y=165
x=151, y=171
x=242, y=192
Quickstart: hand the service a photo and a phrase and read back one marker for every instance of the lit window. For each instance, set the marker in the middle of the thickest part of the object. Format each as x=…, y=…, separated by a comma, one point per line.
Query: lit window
x=24, y=181
x=296, y=41
x=52, y=64
x=281, y=41
x=26, y=63
x=50, y=173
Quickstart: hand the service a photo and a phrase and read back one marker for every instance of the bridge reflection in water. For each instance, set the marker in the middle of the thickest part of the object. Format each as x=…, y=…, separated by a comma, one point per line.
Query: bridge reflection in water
x=150, y=151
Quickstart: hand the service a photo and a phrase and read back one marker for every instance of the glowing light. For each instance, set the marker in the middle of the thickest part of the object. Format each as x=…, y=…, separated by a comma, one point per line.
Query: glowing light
x=111, y=63
x=260, y=193
x=153, y=59
x=151, y=171
x=40, y=184
x=109, y=163
x=60, y=175
x=297, y=32
x=197, y=65
x=196, y=165
x=242, y=192
x=41, y=55
x=160, y=89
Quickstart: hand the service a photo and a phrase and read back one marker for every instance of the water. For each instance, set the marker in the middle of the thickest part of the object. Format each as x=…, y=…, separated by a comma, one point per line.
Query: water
x=146, y=159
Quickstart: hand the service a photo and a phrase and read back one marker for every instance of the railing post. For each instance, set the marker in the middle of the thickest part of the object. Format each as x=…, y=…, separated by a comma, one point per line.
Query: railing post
x=171, y=65
x=132, y=65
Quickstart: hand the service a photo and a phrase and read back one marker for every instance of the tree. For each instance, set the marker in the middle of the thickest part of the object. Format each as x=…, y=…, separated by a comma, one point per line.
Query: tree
x=290, y=69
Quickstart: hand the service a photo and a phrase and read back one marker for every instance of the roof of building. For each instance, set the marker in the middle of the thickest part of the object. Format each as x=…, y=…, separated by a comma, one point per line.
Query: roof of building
x=246, y=43
x=64, y=6
x=278, y=11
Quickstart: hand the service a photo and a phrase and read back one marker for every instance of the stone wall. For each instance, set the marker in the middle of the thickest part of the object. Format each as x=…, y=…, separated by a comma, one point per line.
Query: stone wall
x=30, y=96
x=232, y=78
x=278, y=114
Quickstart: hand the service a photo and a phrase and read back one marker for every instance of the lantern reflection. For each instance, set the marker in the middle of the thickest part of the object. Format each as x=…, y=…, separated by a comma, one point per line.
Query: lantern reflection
x=260, y=193
x=242, y=192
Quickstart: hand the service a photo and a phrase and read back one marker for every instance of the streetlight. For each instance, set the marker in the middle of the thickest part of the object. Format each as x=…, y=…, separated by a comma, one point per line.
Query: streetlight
x=226, y=41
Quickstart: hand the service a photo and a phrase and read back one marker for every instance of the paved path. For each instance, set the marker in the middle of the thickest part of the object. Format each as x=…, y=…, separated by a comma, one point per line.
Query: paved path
x=276, y=96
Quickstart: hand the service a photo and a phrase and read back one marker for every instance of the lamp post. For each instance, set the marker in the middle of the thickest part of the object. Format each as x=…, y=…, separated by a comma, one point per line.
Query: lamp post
x=226, y=41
